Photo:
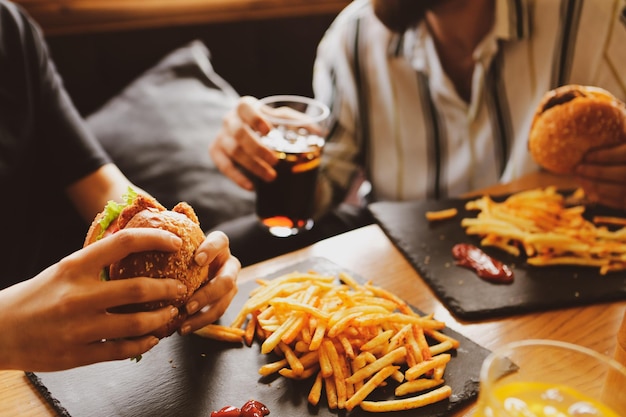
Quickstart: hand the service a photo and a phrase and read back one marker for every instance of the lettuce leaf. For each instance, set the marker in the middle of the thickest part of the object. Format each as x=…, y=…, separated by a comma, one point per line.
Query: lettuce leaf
x=113, y=209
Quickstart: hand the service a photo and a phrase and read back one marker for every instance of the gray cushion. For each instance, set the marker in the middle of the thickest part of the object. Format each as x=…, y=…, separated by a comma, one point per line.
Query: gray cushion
x=158, y=130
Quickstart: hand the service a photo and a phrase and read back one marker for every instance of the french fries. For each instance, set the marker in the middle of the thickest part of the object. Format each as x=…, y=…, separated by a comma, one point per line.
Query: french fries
x=224, y=333
x=444, y=214
x=538, y=225
x=348, y=338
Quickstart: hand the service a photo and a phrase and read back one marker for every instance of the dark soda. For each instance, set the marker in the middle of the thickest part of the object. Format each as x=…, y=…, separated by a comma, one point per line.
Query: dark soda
x=286, y=204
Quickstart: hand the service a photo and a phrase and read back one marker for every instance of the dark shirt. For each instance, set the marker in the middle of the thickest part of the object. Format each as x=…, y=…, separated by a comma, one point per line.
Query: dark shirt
x=44, y=147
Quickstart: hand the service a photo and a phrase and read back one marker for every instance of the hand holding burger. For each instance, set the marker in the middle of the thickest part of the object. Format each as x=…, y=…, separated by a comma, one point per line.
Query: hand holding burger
x=59, y=319
x=63, y=317
x=140, y=211
x=581, y=131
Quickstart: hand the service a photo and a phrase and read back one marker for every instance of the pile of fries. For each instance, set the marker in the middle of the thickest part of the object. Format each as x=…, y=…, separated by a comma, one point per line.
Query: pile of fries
x=538, y=224
x=347, y=337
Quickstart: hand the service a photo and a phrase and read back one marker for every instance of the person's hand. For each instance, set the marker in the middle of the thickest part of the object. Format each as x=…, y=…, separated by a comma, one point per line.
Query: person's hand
x=237, y=145
x=602, y=175
x=211, y=300
x=59, y=319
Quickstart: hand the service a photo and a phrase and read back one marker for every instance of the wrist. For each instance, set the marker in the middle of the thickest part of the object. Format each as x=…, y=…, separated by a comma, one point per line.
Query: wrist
x=8, y=342
x=6, y=351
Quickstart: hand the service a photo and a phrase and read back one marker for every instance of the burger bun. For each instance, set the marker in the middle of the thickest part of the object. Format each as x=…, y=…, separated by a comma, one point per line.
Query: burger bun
x=145, y=212
x=572, y=120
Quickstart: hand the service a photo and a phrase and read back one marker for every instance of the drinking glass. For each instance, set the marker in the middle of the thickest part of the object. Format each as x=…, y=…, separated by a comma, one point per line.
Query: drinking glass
x=547, y=378
x=285, y=206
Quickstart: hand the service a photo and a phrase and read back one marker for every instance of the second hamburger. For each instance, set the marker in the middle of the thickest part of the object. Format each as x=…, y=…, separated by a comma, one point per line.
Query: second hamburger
x=572, y=120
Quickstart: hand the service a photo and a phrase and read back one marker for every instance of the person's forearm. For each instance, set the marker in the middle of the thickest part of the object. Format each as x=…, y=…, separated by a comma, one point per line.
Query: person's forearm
x=91, y=193
x=7, y=326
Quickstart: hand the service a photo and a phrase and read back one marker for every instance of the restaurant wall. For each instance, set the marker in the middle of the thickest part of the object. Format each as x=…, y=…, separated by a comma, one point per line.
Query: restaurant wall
x=257, y=57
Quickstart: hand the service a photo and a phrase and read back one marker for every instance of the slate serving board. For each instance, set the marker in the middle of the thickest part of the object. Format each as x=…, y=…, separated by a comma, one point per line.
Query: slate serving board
x=428, y=247
x=191, y=376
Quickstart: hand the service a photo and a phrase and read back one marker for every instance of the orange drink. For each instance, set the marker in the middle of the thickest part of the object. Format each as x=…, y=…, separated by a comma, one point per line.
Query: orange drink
x=546, y=378
x=538, y=399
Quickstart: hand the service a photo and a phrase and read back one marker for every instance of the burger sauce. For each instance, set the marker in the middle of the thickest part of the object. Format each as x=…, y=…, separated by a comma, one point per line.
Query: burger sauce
x=487, y=268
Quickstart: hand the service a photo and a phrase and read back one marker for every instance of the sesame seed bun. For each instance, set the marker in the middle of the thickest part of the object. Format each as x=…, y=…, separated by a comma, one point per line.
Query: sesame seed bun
x=572, y=120
x=182, y=221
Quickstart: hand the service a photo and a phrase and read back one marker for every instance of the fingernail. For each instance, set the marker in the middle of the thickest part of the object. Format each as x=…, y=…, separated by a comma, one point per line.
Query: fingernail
x=153, y=342
x=173, y=312
x=182, y=290
x=192, y=307
x=201, y=258
x=185, y=329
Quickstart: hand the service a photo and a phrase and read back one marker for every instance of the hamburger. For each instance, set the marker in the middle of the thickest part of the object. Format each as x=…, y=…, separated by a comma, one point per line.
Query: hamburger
x=572, y=120
x=139, y=210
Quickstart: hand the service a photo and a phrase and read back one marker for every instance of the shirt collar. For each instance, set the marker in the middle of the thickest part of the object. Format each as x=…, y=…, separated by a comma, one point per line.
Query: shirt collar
x=511, y=24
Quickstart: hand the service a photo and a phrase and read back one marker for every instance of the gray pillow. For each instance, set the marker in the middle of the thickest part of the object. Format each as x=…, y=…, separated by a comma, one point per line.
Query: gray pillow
x=158, y=130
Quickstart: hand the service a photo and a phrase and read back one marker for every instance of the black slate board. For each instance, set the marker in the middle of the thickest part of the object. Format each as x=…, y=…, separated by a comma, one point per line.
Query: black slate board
x=191, y=376
x=428, y=247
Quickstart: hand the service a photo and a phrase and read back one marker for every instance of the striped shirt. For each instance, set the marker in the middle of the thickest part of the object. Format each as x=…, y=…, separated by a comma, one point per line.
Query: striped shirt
x=397, y=116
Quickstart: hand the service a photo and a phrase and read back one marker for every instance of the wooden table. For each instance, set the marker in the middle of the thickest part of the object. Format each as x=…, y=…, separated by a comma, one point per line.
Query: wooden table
x=368, y=253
